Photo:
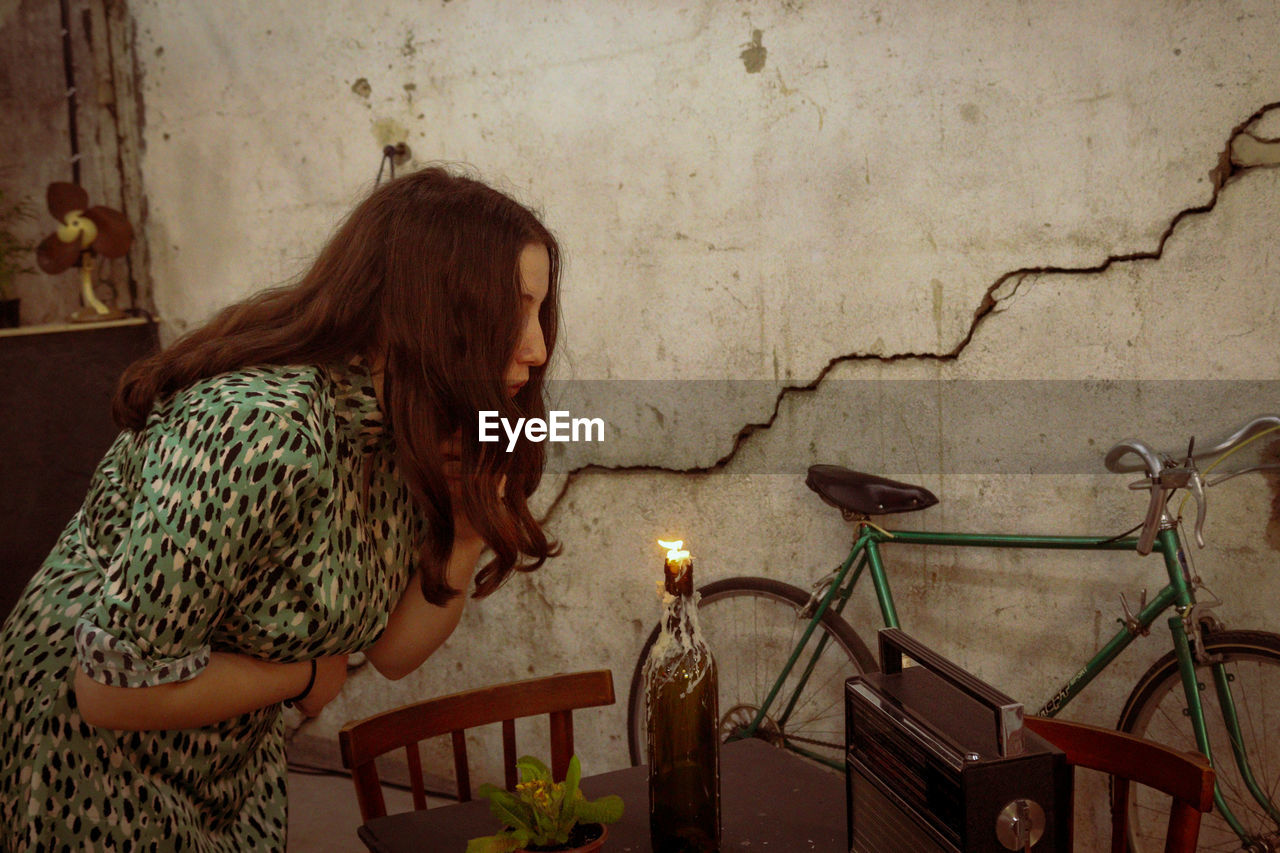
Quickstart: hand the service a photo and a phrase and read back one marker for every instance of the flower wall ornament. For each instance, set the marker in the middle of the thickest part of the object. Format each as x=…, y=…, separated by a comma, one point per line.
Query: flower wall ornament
x=83, y=233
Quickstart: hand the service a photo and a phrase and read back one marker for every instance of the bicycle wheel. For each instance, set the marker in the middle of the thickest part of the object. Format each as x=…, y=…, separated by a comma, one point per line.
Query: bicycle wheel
x=1157, y=710
x=751, y=626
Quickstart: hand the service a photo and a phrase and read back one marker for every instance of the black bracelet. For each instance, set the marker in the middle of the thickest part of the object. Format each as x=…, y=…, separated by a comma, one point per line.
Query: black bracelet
x=311, y=682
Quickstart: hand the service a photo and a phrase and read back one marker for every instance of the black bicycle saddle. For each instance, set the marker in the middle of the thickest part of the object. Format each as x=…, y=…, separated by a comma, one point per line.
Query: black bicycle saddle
x=866, y=494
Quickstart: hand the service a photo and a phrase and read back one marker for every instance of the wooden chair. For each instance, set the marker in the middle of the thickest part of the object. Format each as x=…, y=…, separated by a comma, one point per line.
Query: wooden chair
x=558, y=695
x=1185, y=776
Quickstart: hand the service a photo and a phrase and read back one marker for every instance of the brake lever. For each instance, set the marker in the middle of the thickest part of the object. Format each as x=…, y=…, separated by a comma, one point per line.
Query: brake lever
x=1195, y=484
x=1155, y=509
x=1163, y=484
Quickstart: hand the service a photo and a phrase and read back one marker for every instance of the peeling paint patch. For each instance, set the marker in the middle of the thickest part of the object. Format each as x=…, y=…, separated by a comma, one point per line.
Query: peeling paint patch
x=1271, y=455
x=388, y=131
x=754, y=54
x=362, y=88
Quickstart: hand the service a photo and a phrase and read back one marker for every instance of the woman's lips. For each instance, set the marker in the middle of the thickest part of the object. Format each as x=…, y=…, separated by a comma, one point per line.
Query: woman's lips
x=451, y=458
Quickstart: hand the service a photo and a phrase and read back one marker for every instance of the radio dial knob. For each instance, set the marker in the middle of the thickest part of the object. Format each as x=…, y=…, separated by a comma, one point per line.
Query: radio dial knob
x=1020, y=824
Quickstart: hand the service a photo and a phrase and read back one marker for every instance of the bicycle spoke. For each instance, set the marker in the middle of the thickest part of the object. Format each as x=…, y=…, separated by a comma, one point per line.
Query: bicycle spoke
x=757, y=661
x=1252, y=664
x=812, y=695
x=826, y=712
x=752, y=632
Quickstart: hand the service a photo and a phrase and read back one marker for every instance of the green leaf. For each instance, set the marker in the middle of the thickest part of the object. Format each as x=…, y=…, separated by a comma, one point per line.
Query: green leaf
x=604, y=810
x=568, y=805
x=488, y=790
x=504, y=797
x=494, y=844
x=572, y=777
x=510, y=811
x=531, y=769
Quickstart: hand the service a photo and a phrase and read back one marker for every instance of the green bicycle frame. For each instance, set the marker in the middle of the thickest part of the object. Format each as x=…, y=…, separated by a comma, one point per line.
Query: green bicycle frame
x=1177, y=594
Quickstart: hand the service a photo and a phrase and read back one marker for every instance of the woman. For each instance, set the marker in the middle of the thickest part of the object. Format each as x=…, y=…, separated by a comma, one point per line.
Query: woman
x=296, y=481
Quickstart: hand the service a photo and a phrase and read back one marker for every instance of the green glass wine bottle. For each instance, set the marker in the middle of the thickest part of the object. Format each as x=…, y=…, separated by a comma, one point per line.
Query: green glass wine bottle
x=683, y=720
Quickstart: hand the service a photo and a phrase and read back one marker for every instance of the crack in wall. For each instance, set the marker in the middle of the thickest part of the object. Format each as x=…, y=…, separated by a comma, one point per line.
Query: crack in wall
x=1228, y=167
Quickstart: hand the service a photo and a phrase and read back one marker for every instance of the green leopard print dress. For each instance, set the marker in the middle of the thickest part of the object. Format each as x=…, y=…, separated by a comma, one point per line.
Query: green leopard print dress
x=259, y=512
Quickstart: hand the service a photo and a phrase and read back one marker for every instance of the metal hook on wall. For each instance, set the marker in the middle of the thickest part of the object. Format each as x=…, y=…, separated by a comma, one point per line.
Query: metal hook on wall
x=393, y=155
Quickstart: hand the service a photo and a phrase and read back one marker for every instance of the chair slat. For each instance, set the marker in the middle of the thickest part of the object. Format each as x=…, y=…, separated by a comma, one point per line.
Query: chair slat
x=561, y=743
x=414, y=757
x=460, y=765
x=368, y=792
x=1184, y=827
x=362, y=741
x=509, y=753
x=1119, y=815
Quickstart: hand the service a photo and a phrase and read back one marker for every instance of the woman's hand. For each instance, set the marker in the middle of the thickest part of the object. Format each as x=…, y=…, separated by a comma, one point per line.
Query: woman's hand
x=331, y=674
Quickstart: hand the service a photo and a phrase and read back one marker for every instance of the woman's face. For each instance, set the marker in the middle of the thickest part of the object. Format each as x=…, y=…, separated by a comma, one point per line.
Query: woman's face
x=534, y=266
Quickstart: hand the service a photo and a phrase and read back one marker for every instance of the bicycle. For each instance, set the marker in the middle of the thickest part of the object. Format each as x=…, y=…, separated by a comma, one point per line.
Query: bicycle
x=783, y=654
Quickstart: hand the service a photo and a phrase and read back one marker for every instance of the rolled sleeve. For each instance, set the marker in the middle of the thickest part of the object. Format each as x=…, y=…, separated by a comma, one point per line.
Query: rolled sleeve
x=115, y=661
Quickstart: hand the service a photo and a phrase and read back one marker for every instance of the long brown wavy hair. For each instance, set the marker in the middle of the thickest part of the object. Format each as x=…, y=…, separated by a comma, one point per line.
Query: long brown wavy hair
x=425, y=272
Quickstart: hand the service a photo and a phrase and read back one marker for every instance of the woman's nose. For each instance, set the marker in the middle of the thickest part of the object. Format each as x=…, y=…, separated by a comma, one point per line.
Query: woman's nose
x=533, y=347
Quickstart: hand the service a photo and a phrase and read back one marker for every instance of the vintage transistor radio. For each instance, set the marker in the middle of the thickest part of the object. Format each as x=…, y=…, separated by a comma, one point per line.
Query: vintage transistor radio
x=939, y=761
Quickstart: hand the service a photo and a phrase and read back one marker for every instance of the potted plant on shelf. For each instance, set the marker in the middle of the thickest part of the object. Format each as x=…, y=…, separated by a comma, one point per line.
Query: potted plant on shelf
x=544, y=815
x=14, y=253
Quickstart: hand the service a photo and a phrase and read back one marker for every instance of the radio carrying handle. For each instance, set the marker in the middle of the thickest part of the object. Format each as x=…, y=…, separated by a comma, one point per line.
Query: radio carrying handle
x=894, y=644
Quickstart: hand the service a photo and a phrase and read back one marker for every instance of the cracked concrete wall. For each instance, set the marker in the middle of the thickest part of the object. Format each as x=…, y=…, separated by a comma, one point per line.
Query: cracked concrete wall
x=754, y=195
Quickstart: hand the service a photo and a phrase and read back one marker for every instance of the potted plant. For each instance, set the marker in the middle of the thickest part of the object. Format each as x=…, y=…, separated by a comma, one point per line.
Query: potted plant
x=14, y=253
x=542, y=814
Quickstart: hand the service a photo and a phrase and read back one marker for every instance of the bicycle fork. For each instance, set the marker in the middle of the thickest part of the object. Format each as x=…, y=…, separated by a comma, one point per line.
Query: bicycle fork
x=1188, y=625
x=1230, y=718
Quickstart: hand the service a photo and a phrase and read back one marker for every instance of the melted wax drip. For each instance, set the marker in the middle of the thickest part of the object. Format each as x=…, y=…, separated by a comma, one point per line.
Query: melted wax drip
x=680, y=637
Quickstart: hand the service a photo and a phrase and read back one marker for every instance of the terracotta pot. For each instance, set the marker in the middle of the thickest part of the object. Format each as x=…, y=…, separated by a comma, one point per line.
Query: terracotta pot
x=589, y=844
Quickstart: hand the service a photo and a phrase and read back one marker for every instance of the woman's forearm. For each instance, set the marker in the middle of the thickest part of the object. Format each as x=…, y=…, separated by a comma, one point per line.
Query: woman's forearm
x=416, y=627
x=229, y=686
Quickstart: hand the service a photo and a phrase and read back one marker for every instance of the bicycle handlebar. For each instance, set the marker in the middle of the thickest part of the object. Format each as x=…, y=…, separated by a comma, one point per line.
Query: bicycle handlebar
x=1164, y=475
x=1151, y=460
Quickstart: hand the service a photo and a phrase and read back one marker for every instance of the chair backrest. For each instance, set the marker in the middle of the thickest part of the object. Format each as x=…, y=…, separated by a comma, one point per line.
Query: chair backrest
x=1185, y=776
x=558, y=695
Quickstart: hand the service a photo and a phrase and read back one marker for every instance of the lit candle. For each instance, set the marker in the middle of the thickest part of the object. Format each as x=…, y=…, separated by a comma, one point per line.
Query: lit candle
x=678, y=568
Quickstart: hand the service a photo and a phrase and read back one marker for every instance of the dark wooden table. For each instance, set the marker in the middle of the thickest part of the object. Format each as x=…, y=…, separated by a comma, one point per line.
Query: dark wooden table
x=770, y=800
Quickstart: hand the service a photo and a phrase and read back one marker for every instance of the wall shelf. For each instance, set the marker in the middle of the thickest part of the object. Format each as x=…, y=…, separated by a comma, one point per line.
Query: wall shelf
x=54, y=427
x=55, y=328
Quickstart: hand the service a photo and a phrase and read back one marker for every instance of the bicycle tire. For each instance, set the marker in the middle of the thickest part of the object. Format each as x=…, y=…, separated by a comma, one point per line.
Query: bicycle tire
x=1156, y=710
x=764, y=646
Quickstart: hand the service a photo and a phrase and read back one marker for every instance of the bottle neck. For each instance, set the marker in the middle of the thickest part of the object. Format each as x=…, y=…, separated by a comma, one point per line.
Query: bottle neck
x=679, y=578
x=679, y=643
x=680, y=618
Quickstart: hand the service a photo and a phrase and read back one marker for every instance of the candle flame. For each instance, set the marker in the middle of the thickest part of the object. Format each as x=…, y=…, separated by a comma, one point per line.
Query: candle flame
x=674, y=550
